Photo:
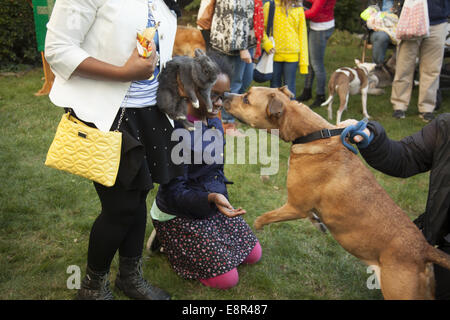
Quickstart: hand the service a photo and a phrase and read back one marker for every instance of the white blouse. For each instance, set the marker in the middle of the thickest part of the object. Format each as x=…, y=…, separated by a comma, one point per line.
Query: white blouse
x=105, y=30
x=142, y=93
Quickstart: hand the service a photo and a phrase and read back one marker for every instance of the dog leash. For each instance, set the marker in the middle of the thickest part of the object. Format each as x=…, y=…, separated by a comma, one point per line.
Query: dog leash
x=356, y=130
x=322, y=134
x=349, y=132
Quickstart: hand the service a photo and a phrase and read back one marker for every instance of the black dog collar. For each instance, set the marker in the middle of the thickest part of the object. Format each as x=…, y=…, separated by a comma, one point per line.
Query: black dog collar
x=322, y=134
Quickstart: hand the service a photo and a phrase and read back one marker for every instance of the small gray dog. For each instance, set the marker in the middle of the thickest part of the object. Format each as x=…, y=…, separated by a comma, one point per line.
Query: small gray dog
x=382, y=76
x=196, y=74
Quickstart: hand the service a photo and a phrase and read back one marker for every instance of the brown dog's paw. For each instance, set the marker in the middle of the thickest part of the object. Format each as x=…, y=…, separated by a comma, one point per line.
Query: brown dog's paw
x=258, y=225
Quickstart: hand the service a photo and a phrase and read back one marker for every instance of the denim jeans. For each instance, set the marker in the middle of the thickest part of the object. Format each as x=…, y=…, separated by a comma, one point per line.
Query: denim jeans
x=387, y=5
x=380, y=42
x=317, y=42
x=241, y=79
x=430, y=52
x=284, y=74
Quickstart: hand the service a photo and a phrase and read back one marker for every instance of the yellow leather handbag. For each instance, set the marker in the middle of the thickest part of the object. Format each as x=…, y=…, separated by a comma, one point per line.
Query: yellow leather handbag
x=85, y=151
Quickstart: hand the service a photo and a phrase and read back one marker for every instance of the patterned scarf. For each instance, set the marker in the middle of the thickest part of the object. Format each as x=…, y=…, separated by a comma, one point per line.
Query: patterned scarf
x=232, y=26
x=258, y=24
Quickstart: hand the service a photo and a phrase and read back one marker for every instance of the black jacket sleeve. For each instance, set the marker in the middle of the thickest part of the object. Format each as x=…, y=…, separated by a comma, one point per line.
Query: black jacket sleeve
x=404, y=158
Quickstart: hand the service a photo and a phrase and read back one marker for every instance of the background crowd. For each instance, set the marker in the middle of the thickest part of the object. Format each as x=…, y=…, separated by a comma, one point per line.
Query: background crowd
x=301, y=30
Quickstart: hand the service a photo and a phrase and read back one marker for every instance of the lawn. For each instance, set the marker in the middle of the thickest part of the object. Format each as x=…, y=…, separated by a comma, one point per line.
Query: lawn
x=46, y=215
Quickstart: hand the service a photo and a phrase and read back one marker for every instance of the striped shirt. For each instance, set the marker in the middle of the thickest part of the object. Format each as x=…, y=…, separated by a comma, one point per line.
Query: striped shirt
x=142, y=93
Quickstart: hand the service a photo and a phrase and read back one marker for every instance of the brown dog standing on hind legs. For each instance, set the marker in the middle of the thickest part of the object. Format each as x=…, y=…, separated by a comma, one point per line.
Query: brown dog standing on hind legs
x=346, y=82
x=327, y=181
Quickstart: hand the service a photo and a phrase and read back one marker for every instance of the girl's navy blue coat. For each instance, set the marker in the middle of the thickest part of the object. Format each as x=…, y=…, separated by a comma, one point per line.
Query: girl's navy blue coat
x=187, y=196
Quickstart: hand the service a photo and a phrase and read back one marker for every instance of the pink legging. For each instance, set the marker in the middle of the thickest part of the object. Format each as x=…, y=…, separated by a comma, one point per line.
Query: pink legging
x=231, y=278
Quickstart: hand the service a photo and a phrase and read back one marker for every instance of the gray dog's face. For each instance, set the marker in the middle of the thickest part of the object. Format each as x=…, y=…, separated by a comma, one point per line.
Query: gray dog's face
x=205, y=70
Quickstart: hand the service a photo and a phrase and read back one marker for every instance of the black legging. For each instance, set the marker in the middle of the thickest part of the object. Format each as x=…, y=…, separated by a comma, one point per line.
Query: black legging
x=120, y=226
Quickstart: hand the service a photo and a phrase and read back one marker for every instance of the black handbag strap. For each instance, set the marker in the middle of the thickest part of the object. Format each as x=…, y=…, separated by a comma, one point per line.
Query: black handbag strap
x=269, y=28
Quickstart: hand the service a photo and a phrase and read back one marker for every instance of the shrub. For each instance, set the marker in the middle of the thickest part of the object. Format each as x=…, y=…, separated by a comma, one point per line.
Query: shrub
x=17, y=35
x=346, y=15
x=190, y=5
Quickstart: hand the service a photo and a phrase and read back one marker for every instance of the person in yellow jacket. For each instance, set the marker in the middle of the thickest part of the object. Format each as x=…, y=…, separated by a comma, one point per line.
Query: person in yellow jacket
x=291, y=42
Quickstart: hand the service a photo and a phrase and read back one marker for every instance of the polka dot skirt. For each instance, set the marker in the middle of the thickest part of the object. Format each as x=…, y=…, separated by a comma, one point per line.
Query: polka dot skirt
x=205, y=248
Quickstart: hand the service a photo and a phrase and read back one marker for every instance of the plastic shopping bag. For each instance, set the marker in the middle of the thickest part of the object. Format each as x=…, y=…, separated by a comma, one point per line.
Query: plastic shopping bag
x=264, y=68
x=414, y=22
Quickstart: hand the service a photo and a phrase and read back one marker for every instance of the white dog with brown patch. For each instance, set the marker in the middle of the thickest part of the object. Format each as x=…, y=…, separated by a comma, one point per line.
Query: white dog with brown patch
x=349, y=81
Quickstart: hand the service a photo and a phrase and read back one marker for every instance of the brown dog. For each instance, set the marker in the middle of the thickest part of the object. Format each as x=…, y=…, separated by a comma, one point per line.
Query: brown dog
x=187, y=40
x=327, y=180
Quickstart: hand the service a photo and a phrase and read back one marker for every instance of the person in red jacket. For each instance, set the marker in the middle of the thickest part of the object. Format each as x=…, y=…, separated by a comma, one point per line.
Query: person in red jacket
x=321, y=27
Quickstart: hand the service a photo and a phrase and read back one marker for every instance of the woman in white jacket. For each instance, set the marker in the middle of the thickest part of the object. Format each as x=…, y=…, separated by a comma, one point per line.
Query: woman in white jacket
x=91, y=47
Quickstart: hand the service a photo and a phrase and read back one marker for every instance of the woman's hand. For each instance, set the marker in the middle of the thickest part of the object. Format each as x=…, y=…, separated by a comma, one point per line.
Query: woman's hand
x=271, y=51
x=224, y=205
x=245, y=56
x=138, y=68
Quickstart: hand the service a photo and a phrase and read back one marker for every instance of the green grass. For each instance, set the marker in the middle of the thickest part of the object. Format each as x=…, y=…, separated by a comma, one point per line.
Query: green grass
x=46, y=215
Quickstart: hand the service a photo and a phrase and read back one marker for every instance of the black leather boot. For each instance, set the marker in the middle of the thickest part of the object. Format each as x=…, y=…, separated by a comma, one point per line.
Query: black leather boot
x=305, y=96
x=95, y=286
x=320, y=98
x=131, y=282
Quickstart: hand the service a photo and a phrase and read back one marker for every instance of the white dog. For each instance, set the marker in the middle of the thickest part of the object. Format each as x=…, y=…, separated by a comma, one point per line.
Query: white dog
x=349, y=81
